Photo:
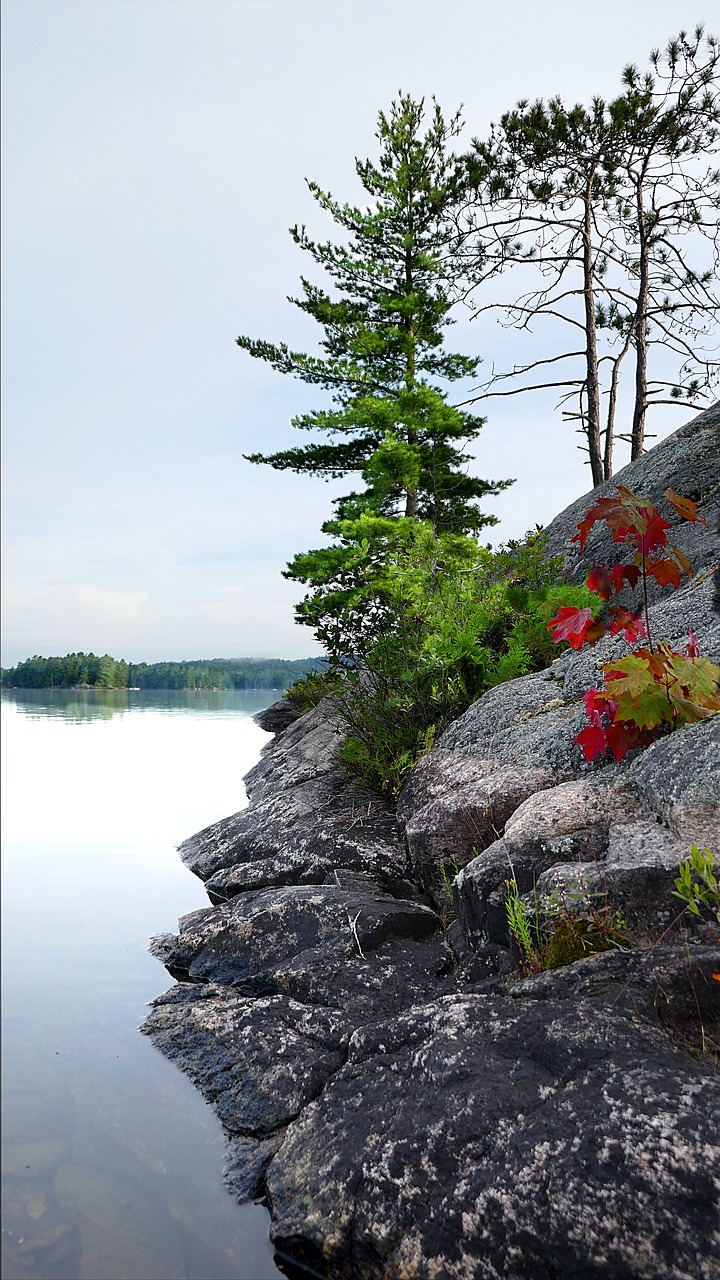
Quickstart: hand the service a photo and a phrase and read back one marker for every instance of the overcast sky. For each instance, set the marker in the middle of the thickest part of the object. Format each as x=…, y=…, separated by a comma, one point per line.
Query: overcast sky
x=155, y=153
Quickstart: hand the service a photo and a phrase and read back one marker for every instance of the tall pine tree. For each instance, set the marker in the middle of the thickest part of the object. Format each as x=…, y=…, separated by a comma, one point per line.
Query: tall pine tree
x=394, y=278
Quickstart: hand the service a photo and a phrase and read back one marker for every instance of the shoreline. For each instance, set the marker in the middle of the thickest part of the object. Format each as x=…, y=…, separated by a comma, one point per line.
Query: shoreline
x=407, y=1102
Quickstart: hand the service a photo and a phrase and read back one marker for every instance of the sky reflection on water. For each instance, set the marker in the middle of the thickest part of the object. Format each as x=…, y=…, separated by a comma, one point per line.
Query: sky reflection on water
x=111, y=1160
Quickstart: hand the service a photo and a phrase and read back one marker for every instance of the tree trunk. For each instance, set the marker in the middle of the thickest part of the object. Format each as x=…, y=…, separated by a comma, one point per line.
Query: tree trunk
x=411, y=495
x=640, y=331
x=592, y=383
x=612, y=406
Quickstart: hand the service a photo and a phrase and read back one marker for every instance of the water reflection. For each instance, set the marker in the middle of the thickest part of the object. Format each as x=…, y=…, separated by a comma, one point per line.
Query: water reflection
x=103, y=704
x=111, y=1160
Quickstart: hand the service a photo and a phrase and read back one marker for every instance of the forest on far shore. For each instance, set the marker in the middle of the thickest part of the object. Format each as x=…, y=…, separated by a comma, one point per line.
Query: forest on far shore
x=87, y=669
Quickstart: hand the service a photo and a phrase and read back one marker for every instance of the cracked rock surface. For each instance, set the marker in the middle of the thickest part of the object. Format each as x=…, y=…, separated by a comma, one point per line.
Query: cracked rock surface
x=409, y=1105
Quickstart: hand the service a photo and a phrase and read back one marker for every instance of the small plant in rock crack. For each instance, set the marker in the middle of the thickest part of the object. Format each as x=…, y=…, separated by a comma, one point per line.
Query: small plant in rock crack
x=655, y=686
x=697, y=886
x=571, y=924
x=526, y=928
x=448, y=872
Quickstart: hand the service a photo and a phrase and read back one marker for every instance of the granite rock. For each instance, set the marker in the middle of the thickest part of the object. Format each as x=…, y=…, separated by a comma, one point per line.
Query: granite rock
x=410, y=1108
x=546, y=1135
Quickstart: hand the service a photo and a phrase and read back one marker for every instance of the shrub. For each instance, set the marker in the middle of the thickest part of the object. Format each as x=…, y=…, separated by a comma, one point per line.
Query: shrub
x=454, y=620
x=309, y=690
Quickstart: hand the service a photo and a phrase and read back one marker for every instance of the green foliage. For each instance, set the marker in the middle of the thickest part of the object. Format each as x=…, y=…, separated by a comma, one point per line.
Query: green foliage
x=309, y=690
x=697, y=886
x=525, y=926
x=79, y=669
x=440, y=624
x=571, y=924
x=394, y=278
x=63, y=673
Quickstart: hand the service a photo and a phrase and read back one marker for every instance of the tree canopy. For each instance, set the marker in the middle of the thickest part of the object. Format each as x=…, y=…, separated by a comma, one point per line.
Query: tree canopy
x=610, y=213
x=394, y=279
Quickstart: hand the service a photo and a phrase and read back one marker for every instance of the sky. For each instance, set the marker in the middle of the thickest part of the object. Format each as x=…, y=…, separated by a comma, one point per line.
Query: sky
x=155, y=154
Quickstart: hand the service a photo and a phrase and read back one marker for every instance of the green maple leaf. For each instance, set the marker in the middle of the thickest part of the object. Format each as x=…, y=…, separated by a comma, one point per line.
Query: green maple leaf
x=696, y=679
x=639, y=697
x=628, y=677
x=647, y=710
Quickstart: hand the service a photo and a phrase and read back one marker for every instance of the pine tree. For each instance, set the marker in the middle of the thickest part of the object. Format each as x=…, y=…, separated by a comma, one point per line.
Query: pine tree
x=395, y=280
x=609, y=217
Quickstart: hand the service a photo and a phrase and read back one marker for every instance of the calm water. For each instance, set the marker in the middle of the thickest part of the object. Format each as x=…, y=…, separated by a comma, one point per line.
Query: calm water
x=112, y=1162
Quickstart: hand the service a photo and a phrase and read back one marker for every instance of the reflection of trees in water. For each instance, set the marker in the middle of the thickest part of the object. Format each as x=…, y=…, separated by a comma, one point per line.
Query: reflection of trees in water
x=102, y=704
x=71, y=704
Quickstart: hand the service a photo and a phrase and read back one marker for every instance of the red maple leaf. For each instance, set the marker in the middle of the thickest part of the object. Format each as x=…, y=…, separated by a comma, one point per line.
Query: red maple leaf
x=593, y=741
x=572, y=625
x=599, y=580
x=685, y=507
x=653, y=535
x=604, y=509
x=665, y=572
x=617, y=740
x=624, y=737
x=622, y=573
x=626, y=623
x=597, y=704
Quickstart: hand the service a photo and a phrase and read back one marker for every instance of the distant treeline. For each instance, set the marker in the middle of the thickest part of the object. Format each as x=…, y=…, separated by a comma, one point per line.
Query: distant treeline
x=77, y=669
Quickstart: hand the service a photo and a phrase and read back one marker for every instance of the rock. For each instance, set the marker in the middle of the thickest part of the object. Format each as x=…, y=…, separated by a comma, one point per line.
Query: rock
x=486, y=1137
x=367, y=955
x=303, y=822
x=277, y=717
x=319, y=826
x=39, y=1241
x=412, y=1109
x=611, y=840
x=671, y=984
x=688, y=461
x=246, y=1160
x=678, y=779
x=259, y=1061
x=121, y=1232
x=305, y=751
x=456, y=804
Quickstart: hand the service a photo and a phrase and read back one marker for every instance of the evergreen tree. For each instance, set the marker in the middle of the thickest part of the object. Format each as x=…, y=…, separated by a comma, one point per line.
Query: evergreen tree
x=396, y=278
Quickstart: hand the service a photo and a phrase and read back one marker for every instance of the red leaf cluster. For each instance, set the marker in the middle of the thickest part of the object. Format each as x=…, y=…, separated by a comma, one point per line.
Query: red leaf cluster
x=650, y=688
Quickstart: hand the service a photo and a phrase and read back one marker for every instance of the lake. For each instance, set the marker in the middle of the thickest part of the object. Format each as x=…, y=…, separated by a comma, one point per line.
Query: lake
x=112, y=1162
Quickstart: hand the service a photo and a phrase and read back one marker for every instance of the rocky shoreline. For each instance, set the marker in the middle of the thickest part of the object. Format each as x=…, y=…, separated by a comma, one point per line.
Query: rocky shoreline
x=408, y=1104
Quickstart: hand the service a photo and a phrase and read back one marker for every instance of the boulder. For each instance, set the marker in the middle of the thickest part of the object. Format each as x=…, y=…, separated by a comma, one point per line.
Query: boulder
x=277, y=717
x=558, y=1133
x=454, y=805
x=363, y=952
x=614, y=838
x=687, y=461
x=303, y=821
x=258, y=1061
